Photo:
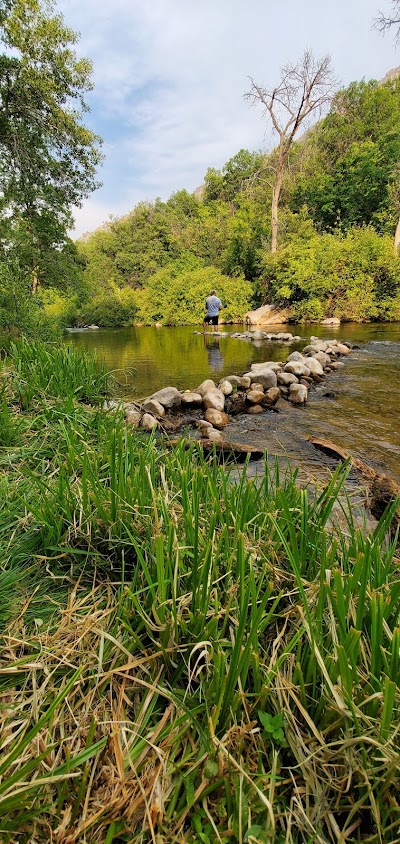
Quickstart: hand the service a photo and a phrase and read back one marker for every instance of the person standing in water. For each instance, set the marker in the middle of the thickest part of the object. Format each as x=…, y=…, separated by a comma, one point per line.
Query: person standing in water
x=213, y=307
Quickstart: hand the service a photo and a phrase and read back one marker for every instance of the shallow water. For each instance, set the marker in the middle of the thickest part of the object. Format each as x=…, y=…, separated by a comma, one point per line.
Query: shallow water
x=362, y=415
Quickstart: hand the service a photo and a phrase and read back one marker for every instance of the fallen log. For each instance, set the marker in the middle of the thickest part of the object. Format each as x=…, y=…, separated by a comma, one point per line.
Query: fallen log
x=234, y=451
x=381, y=490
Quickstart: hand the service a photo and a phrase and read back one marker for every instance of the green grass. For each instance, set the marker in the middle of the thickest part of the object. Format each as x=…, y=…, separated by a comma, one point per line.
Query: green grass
x=188, y=656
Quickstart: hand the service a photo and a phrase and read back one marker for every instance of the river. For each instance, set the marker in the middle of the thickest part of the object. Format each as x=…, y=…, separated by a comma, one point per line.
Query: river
x=357, y=407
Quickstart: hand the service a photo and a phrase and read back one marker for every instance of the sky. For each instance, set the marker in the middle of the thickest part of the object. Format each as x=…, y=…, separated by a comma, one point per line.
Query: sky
x=170, y=76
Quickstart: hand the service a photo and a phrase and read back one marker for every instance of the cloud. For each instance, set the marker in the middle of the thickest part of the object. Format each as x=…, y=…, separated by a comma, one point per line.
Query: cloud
x=170, y=76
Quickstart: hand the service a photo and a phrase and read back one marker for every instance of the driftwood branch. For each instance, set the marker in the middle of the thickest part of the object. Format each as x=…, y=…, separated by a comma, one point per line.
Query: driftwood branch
x=382, y=490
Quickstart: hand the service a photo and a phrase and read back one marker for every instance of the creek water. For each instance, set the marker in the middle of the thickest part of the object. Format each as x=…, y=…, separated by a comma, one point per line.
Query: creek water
x=357, y=407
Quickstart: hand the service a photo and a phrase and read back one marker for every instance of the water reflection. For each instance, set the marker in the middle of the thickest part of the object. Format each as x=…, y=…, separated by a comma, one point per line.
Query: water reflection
x=362, y=414
x=214, y=354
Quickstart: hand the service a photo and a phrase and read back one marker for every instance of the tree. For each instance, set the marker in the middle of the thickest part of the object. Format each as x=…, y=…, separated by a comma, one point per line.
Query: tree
x=48, y=158
x=304, y=89
x=384, y=22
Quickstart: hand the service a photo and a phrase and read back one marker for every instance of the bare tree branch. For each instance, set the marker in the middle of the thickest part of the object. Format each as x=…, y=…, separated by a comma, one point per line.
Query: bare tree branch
x=306, y=88
x=384, y=22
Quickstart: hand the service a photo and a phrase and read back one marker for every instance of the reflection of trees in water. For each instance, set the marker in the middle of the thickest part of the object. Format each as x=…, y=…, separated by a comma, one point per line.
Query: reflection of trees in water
x=175, y=356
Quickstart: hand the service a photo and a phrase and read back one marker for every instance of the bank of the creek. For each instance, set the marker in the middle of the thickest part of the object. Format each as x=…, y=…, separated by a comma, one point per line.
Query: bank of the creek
x=357, y=407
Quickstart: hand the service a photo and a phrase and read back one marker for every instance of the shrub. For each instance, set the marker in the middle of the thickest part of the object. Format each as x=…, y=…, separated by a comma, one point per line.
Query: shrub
x=111, y=310
x=176, y=296
x=354, y=277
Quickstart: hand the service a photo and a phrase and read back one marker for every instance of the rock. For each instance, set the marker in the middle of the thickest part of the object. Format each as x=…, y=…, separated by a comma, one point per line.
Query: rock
x=330, y=321
x=237, y=381
x=272, y=396
x=255, y=386
x=255, y=408
x=133, y=418
x=214, y=436
x=225, y=387
x=214, y=399
x=255, y=396
x=311, y=349
x=342, y=349
x=323, y=358
x=267, y=315
x=169, y=397
x=258, y=335
x=190, y=399
x=284, y=336
x=112, y=405
x=298, y=393
x=154, y=407
x=295, y=356
x=266, y=377
x=286, y=378
x=148, y=422
x=275, y=365
x=296, y=368
x=205, y=386
x=202, y=423
x=314, y=366
x=217, y=418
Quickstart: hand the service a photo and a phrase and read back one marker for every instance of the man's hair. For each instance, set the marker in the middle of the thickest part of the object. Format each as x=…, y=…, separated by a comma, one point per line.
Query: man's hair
x=213, y=293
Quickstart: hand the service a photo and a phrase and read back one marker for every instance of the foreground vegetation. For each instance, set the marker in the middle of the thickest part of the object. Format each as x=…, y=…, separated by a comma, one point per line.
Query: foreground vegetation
x=187, y=655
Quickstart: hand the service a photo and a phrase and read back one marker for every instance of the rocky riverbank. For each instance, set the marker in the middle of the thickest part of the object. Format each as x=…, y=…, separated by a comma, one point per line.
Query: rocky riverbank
x=268, y=386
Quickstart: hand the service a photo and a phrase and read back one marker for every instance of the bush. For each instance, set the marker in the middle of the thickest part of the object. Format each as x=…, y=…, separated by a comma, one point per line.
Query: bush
x=176, y=296
x=112, y=310
x=354, y=277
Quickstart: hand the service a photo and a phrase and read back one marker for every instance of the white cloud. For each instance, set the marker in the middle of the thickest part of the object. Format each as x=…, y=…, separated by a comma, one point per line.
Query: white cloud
x=170, y=77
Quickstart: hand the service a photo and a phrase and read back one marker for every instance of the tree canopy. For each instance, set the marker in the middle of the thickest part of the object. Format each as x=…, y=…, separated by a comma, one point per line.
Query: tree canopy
x=48, y=157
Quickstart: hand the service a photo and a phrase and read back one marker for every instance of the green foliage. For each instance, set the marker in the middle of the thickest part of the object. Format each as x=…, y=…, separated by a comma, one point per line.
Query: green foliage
x=46, y=371
x=176, y=296
x=115, y=309
x=351, y=160
x=226, y=633
x=48, y=156
x=354, y=277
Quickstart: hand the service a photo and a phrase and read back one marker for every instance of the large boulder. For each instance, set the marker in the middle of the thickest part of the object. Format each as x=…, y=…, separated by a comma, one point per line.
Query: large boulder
x=298, y=393
x=217, y=418
x=272, y=396
x=214, y=436
x=190, y=399
x=342, y=349
x=169, y=397
x=314, y=366
x=255, y=396
x=286, y=378
x=214, y=399
x=239, y=381
x=205, y=386
x=267, y=315
x=133, y=418
x=275, y=365
x=266, y=377
x=295, y=356
x=148, y=422
x=330, y=321
x=296, y=368
x=226, y=387
x=154, y=407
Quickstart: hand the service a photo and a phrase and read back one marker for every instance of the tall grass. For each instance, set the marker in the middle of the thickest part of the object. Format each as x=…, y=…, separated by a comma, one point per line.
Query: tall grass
x=61, y=371
x=188, y=656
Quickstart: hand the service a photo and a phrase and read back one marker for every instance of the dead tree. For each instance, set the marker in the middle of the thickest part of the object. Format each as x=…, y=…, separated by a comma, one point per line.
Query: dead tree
x=305, y=89
x=384, y=22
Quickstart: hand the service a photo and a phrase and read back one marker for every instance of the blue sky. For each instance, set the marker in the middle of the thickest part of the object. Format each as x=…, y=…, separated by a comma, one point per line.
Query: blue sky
x=170, y=77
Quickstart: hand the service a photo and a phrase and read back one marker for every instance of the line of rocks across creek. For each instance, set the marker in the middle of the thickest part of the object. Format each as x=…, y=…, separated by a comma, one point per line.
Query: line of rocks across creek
x=268, y=386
